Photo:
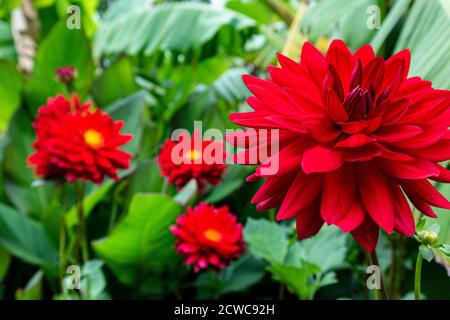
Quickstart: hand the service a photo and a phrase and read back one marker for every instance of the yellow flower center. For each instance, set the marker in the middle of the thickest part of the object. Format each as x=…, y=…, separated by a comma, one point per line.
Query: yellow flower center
x=212, y=235
x=193, y=155
x=93, y=138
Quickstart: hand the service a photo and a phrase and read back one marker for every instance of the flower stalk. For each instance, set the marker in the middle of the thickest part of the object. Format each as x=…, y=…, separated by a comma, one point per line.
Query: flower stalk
x=81, y=227
x=380, y=294
x=62, y=237
x=418, y=276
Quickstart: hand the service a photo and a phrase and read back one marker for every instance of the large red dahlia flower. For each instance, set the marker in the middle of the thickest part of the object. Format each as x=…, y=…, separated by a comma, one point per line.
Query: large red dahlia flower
x=208, y=237
x=180, y=165
x=74, y=142
x=355, y=135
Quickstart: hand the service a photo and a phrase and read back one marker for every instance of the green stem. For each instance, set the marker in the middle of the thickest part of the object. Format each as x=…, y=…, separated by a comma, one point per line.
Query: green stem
x=382, y=293
x=62, y=237
x=81, y=229
x=393, y=269
x=418, y=276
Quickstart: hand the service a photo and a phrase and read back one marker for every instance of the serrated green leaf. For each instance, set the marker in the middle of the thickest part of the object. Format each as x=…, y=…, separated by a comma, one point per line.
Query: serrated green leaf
x=296, y=279
x=266, y=239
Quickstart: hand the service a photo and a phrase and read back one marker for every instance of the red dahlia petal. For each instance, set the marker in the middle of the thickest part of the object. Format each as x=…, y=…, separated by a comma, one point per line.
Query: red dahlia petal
x=415, y=169
x=340, y=56
x=321, y=159
x=338, y=193
x=426, y=192
x=376, y=195
x=354, y=141
x=353, y=217
x=365, y=54
x=315, y=63
x=303, y=191
x=403, y=220
x=396, y=133
x=367, y=234
x=309, y=221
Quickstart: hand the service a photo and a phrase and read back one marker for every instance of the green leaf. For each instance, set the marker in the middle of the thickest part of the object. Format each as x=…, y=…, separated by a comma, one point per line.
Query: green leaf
x=93, y=281
x=445, y=249
x=327, y=249
x=395, y=14
x=29, y=200
x=131, y=111
x=172, y=26
x=5, y=260
x=6, y=6
x=241, y=275
x=232, y=181
x=26, y=239
x=116, y=82
x=142, y=242
x=7, y=49
x=320, y=19
x=93, y=196
x=10, y=89
x=353, y=26
x=254, y=9
x=146, y=178
x=421, y=224
x=62, y=47
x=435, y=227
x=426, y=253
x=187, y=194
x=266, y=239
x=18, y=148
x=425, y=33
x=33, y=289
x=296, y=279
x=237, y=277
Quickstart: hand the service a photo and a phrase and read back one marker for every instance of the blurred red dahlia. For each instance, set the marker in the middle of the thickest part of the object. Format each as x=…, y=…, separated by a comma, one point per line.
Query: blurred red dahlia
x=74, y=142
x=356, y=135
x=208, y=237
x=192, y=163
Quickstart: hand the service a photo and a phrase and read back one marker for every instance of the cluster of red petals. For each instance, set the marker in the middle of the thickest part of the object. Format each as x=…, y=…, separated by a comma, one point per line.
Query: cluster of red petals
x=208, y=237
x=75, y=142
x=356, y=135
x=193, y=165
x=66, y=74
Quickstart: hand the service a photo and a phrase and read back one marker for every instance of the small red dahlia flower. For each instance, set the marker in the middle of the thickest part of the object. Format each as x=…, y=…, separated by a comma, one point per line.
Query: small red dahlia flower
x=66, y=74
x=182, y=161
x=355, y=135
x=75, y=142
x=208, y=237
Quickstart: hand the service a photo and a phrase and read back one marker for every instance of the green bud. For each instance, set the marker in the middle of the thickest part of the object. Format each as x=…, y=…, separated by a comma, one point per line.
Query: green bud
x=428, y=237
